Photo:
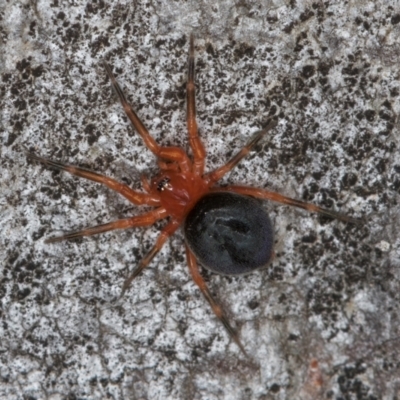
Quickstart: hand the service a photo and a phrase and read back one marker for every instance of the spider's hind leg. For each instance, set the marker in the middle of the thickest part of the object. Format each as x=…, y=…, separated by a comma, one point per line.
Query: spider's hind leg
x=198, y=279
x=278, y=198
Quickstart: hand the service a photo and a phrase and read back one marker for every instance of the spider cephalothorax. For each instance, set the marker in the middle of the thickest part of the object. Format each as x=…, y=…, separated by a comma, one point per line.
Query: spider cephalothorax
x=225, y=229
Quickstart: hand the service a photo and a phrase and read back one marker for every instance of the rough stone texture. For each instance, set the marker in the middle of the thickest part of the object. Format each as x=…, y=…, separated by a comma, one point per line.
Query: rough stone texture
x=322, y=321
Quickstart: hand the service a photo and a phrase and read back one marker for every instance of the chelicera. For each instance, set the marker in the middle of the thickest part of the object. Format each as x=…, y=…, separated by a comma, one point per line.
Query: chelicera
x=226, y=229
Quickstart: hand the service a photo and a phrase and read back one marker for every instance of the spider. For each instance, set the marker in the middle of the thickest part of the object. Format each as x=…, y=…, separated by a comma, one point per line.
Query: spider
x=226, y=229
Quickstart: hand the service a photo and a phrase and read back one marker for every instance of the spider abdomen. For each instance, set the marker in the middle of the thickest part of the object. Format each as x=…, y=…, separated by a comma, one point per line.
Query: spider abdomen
x=229, y=234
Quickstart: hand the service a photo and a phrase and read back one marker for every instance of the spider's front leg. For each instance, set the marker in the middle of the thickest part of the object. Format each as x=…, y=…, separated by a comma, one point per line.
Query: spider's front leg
x=124, y=190
x=171, y=154
x=217, y=174
x=199, y=153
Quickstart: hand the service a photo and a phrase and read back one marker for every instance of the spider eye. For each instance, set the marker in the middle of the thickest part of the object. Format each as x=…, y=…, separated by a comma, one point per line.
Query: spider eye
x=163, y=184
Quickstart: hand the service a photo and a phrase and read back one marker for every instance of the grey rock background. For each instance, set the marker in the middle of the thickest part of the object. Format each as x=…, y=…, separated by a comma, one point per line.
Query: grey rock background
x=322, y=322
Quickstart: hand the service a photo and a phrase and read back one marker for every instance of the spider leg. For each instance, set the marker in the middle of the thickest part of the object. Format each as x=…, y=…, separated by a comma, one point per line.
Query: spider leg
x=191, y=260
x=145, y=183
x=216, y=175
x=166, y=232
x=124, y=190
x=133, y=222
x=199, y=153
x=175, y=154
x=168, y=166
x=273, y=196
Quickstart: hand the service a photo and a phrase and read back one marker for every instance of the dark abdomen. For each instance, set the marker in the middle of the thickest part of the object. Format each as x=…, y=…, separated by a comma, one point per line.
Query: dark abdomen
x=229, y=234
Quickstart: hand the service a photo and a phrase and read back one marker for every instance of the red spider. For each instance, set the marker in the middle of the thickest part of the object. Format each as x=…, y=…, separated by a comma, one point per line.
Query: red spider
x=225, y=229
